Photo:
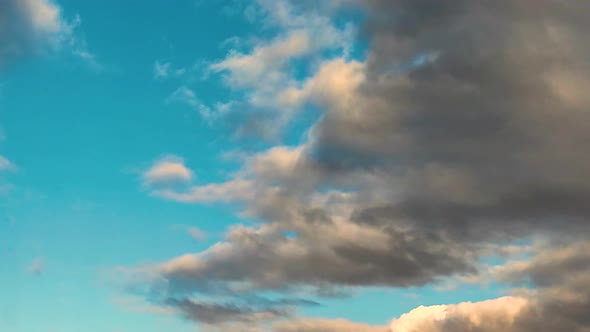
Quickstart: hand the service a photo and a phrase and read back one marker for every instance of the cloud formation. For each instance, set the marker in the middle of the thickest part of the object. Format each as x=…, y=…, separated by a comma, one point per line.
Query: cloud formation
x=466, y=129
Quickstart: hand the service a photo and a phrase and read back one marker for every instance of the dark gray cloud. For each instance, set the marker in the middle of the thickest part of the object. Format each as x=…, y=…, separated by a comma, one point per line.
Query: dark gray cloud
x=218, y=314
x=496, y=109
x=320, y=256
x=560, y=277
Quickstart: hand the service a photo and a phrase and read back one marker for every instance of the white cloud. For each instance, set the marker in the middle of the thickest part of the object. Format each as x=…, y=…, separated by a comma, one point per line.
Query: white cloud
x=210, y=193
x=170, y=169
x=45, y=15
x=491, y=315
x=246, y=70
x=497, y=315
x=264, y=73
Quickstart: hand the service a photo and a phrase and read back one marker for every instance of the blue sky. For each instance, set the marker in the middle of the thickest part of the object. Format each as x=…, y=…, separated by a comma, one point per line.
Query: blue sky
x=281, y=165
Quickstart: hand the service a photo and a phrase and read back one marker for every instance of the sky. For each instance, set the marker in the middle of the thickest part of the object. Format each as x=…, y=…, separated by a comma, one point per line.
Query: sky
x=294, y=166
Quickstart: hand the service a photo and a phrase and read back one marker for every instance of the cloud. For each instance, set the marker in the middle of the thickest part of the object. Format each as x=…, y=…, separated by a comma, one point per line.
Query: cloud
x=30, y=27
x=264, y=71
x=466, y=128
x=218, y=314
x=197, y=234
x=165, y=70
x=558, y=302
x=462, y=137
x=325, y=325
x=492, y=315
x=6, y=165
x=188, y=97
x=138, y=304
x=169, y=169
x=339, y=254
x=37, y=266
x=224, y=192
x=161, y=70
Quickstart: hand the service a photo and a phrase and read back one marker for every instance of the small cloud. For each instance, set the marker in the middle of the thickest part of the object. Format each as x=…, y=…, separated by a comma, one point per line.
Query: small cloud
x=37, y=266
x=161, y=70
x=6, y=165
x=179, y=71
x=169, y=169
x=197, y=234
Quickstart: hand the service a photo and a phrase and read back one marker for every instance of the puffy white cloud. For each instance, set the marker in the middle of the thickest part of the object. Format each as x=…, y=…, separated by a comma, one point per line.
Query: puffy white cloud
x=490, y=316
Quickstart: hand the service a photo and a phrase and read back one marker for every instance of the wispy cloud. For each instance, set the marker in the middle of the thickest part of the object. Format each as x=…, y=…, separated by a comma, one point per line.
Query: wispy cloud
x=187, y=96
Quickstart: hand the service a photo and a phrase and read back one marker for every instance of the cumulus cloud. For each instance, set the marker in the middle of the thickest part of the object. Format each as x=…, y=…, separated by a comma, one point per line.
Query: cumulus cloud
x=29, y=27
x=465, y=129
